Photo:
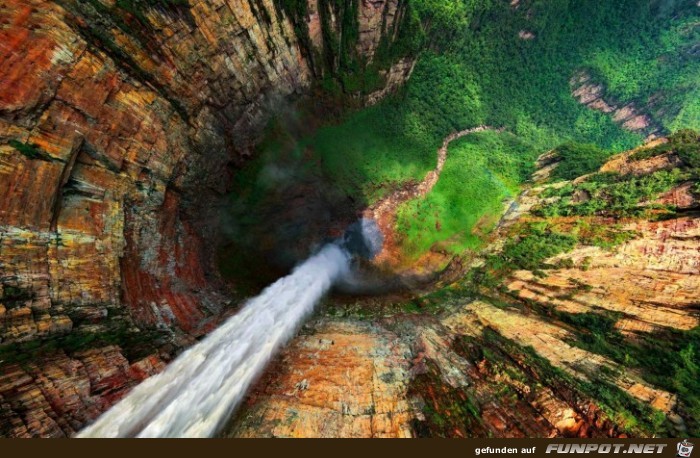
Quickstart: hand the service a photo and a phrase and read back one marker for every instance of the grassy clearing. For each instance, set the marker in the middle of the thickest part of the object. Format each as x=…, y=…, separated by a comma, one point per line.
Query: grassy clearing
x=481, y=171
x=374, y=151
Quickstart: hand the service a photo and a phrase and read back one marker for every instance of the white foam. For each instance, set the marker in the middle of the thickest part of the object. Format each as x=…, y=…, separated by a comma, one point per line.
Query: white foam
x=197, y=393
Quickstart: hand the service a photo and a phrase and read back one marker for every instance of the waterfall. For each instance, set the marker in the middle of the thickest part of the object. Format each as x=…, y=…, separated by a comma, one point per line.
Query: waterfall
x=199, y=391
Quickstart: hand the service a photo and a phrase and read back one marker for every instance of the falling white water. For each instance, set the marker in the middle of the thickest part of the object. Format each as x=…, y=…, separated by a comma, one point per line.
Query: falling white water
x=201, y=388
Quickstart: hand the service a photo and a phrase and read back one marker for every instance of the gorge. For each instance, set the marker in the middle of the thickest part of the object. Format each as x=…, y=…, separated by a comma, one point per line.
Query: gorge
x=199, y=390
x=176, y=177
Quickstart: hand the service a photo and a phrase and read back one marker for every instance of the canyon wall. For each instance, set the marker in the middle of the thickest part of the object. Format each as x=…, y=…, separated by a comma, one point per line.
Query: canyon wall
x=512, y=352
x=120, y=126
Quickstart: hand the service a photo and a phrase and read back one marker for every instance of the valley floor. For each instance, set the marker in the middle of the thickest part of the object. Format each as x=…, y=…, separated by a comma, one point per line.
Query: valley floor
x=597, y=339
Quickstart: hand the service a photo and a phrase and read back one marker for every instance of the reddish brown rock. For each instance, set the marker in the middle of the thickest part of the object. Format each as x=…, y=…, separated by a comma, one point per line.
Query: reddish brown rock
x=507, y=366
x=343, y=380
x=116, y=130
x=56, y=395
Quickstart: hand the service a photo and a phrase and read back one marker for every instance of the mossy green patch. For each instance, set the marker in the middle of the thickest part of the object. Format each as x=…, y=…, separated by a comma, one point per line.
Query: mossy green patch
x=135, y=345
x=482, y=170
x=32, y=151
x=576, y=160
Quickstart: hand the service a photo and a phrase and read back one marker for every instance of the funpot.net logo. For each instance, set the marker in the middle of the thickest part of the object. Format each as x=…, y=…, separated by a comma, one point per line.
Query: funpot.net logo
x=684, y=449
x=572, y=448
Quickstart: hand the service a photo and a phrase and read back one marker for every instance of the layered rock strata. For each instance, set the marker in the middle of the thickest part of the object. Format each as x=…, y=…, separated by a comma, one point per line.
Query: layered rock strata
x=120, y=124
x=628, y=116
x=508, y=364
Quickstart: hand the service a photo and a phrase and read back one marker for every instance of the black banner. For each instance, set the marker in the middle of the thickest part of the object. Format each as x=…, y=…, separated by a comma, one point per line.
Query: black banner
x=333, y=448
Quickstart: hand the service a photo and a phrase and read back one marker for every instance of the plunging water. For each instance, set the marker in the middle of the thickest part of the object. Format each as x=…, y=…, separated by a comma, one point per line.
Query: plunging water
x=201, y=388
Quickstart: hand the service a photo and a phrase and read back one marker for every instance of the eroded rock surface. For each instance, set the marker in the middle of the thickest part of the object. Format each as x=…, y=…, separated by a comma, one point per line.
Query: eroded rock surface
x=629, y=116
x=56, y=396
x=512, y=363
x=118, y=132
x=341, y=379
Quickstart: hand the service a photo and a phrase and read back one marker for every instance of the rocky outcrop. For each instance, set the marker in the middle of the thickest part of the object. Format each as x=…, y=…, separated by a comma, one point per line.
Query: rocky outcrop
x=417, y=377
x=628, y=116
x=656, y=272
x=526, y=35
x=395, y=76
x=524, y=360
x=119, y=128
x=123, y=143
x=378, y=19
x=57, y=396
x=340, y=379
x=622, y=164
x=338, y=31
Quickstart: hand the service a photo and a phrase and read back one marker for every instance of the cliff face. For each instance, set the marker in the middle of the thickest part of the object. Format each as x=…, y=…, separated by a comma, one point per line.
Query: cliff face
x=583, y=342
x=119, y=127
x=121, y=123
x=627, y=115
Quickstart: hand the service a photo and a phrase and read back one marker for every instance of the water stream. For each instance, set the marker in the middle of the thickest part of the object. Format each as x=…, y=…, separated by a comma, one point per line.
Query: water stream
x=197, y=393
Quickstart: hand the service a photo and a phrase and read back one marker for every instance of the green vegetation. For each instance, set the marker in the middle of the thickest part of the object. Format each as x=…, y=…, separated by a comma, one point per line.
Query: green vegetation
x=483, y=169
x=632, y=415
x=539, y=243
x=601, y=235
x=373, y=152
x=32, y=151
x=666, y=359
x=529, y=245
x=577, y=160
x=448, y=411
x=434, y=302
x=607, y=194
x=488, y=75
x=610, y=194
x=686, y=382
x=528, y=248
x=451, y=412
x=685, y=143
x=342, y=71
x=135, y=345
x=476, y=70
x=13, y=296
x=536, y=243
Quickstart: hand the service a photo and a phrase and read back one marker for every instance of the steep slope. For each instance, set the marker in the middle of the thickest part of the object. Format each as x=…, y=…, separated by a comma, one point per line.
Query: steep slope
x=609, y=74
x=137, y=138
x=564, y=326
x=120, y=124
